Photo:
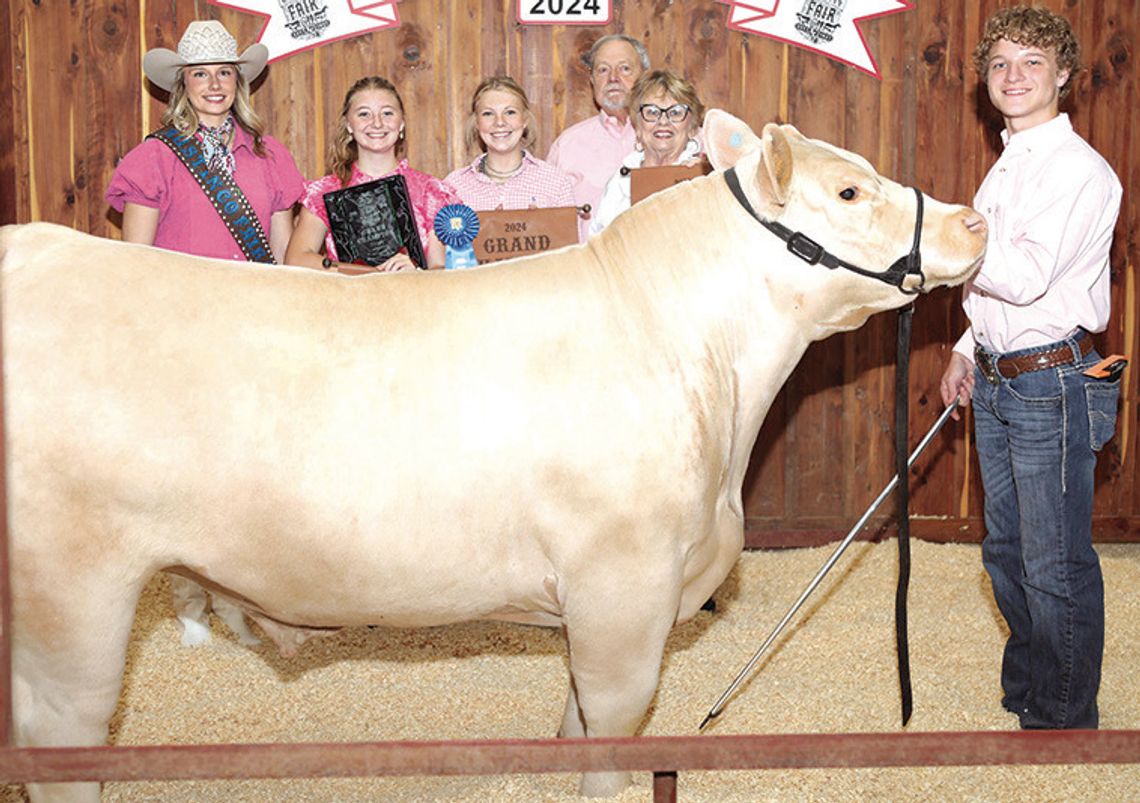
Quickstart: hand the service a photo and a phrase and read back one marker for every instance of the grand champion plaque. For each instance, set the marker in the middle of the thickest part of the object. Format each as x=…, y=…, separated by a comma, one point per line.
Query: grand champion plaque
x=509, y=233
x=372, y=222
x=644, y=181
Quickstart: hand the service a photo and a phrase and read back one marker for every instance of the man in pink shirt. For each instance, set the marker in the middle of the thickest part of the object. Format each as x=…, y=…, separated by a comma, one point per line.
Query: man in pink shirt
x=592, y=150
x=1051, y=203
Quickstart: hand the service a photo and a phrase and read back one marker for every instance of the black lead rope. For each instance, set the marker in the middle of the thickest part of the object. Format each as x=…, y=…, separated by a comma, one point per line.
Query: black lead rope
x=902, y=409
x=810, y=251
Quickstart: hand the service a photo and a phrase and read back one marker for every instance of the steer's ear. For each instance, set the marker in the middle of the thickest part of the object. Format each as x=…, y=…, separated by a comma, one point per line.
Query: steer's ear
x=774, y=175
x=727, y=139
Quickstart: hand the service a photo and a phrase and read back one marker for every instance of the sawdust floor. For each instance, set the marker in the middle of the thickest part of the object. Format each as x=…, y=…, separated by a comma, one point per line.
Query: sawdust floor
x=833, y=670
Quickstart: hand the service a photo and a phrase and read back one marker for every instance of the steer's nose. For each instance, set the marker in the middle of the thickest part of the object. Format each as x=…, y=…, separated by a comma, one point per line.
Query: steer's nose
x=974, y=222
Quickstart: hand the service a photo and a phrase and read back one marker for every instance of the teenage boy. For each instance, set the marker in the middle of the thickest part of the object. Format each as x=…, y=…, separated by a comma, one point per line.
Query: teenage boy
x=1051, y=203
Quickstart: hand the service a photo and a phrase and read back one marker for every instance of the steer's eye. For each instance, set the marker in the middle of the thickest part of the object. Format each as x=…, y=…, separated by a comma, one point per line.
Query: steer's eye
x=849, y=194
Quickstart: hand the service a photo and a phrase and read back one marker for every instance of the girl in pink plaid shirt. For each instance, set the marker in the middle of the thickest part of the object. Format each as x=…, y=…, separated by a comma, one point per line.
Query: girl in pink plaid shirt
x=506, y=175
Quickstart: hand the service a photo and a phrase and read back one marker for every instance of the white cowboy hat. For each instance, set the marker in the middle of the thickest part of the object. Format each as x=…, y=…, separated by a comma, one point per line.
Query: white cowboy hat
x=204, y=42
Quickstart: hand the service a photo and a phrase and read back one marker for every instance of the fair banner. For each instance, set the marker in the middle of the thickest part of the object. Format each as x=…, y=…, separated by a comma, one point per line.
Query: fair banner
x=828, y=27
x=292, y=26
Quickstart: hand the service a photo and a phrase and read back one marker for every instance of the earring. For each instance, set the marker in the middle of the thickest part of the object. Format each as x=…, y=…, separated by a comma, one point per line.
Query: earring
x=401, y=133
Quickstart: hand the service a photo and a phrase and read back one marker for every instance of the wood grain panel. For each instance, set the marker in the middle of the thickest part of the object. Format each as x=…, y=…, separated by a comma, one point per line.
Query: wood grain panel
x=52, y=44
x=14, y=173
x=111, y=78
x=529, y=59
x=1101, y=93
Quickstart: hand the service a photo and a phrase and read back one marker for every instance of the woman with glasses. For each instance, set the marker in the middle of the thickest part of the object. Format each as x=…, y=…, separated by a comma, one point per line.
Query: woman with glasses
x=666, y=115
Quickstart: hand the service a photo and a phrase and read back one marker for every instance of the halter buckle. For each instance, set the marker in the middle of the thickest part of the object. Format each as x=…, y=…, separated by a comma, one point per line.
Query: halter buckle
x=806, y=248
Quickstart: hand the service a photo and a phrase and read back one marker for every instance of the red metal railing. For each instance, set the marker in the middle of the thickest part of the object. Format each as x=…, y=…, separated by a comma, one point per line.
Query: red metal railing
x=662, y=755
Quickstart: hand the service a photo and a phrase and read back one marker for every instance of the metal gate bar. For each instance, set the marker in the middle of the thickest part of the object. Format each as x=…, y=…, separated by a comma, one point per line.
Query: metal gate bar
x=660, y=754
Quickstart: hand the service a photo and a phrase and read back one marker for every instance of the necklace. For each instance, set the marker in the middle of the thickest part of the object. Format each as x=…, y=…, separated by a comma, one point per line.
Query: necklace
x=499, y=175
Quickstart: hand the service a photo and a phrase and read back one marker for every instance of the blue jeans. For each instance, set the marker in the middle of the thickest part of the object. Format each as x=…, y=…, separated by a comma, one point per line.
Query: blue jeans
x=1037, y=436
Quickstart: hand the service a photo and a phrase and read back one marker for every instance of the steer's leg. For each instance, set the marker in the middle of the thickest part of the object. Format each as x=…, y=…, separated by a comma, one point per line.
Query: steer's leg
x=572, y=725
x=616, y=635
x=68, y=652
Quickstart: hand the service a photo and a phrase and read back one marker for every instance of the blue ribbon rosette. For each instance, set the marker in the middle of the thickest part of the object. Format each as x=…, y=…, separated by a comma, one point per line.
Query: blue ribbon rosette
x=457, y=226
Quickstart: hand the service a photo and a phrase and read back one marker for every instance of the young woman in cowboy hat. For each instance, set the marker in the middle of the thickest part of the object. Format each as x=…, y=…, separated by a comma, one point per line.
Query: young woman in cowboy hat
x=182, y=202
x=176, y=189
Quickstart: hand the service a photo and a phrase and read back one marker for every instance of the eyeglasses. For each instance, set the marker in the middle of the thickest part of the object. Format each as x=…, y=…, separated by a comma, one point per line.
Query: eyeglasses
x=651, y=112
x=602, y=71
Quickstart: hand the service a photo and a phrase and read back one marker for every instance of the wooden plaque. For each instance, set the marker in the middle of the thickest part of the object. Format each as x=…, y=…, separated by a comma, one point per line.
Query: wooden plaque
x=644, y=181
x=509, y=233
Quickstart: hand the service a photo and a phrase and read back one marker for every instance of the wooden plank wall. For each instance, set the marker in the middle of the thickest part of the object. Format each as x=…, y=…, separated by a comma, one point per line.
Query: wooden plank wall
x=71, y=79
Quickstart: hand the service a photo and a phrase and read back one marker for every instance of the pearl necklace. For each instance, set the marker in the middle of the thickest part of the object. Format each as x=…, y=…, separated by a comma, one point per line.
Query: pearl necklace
x=499, y=175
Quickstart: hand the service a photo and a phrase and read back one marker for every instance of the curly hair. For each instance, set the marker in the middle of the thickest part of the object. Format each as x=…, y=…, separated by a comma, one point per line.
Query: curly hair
x=343, y=151
x=180, y=114
x=501, y=83
x=1037, y=27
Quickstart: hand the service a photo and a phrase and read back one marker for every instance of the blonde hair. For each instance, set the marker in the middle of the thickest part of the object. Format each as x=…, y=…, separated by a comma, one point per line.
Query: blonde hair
x=501, y=83
x=180, y=113
x=668, y=83
x=343, y=151
x=1034, y=27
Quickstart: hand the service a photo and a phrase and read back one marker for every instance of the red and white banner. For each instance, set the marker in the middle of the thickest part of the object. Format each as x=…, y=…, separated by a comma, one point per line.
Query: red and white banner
x=830, y=27
x=295, y=25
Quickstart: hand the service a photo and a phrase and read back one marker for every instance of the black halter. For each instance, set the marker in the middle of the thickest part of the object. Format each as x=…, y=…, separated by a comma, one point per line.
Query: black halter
x=813, y=253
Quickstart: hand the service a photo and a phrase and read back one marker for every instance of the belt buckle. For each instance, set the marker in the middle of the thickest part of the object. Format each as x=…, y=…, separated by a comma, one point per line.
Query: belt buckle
x=987, y=365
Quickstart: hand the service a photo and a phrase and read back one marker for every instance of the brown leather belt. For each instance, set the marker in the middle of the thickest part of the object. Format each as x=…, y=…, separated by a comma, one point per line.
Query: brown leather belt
x=995, y=368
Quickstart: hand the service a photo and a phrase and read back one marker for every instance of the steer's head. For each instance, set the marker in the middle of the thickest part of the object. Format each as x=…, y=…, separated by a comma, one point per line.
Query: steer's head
x=836, y=199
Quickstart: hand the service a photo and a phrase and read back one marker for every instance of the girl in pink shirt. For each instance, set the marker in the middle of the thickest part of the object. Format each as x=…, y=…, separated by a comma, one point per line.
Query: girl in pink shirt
x=369, y=144
x=506, y=175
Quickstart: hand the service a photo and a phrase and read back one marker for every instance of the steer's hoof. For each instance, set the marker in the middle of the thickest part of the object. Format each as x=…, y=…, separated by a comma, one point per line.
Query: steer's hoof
x=603, y=784
x=194, y=633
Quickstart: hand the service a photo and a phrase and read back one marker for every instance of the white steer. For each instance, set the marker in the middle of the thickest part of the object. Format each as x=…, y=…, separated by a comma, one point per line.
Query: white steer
x=559, y=440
